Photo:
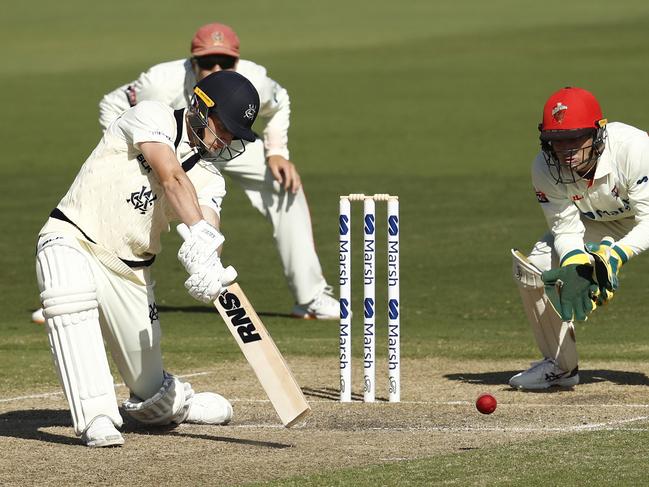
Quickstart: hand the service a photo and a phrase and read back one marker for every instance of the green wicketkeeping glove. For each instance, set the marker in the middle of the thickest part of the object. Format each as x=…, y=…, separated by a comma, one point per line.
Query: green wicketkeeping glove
x=609, y=259
x=572, y=290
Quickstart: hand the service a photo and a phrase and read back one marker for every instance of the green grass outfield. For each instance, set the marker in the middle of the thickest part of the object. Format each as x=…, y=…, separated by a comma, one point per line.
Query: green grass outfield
x=437, y=102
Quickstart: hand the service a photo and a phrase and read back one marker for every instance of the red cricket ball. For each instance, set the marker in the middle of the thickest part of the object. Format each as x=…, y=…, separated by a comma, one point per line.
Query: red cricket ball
x=486, y=403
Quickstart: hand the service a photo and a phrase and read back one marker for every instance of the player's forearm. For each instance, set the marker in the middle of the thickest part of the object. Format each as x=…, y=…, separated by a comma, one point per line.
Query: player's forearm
x=182, y=198
x=276, y=142
x=179, y=190
x=277, y=114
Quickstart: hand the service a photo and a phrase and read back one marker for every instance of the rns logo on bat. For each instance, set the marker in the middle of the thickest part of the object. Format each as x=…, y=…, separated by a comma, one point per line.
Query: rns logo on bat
x=238, y=317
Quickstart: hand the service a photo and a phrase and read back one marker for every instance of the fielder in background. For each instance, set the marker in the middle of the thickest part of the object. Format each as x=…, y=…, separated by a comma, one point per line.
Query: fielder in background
x=592, y=181
x=152, y=165
x=264, y=171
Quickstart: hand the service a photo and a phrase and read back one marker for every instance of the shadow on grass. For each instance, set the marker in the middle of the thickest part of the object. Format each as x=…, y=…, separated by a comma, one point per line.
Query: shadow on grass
x=29, y=425
x=619, y=377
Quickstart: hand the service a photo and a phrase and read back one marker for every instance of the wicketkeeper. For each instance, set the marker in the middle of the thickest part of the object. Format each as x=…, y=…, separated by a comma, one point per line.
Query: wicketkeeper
x=153, y=164
x=592, y=181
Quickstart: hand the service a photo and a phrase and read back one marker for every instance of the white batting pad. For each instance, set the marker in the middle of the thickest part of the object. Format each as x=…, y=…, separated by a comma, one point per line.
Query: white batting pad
x=555, y=339
x=72, y=319
x=169, y=405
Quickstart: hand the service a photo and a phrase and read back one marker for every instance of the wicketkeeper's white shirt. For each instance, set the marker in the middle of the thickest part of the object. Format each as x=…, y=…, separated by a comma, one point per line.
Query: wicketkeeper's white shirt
x=116, y=201
x=173, y=82
x=619, y=190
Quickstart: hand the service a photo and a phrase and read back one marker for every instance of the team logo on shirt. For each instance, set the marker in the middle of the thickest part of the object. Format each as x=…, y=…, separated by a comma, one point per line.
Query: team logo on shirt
x=250, y=112
x=559, y=111
x=142, y=200
x=577, y=197
x=540, y=196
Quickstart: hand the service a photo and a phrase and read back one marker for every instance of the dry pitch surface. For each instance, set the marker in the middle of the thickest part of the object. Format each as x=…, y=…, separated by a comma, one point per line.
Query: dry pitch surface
x=436, y=416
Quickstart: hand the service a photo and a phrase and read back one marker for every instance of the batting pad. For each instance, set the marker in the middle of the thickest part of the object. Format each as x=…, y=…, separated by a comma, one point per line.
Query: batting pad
x=169, y=405
x=555, y=338
x=72, y=320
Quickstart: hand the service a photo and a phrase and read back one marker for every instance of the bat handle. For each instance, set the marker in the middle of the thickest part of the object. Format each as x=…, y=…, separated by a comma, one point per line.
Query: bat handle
x=229, y=276
x=183, y=231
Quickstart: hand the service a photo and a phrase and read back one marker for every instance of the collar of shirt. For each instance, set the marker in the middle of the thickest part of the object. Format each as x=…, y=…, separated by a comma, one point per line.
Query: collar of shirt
x=605, y=163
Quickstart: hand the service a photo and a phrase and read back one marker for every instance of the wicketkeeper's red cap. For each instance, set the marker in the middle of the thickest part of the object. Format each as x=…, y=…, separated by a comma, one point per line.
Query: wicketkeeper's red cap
x=215, y=39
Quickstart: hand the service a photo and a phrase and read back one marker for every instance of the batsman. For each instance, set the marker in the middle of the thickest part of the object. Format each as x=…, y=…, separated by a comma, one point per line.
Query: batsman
x=592, y=181
x=94, y=254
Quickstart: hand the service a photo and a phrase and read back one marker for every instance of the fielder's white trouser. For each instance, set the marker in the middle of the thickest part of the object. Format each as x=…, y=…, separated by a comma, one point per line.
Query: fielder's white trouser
x=554, y=338
x=79, y=294
x=289, y=215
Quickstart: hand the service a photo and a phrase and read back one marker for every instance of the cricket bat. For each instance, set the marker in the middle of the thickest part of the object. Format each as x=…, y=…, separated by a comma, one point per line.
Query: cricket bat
x=262, y=354
x=260, y=350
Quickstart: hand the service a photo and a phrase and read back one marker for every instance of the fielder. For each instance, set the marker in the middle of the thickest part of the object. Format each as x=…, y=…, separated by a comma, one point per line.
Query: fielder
x=152, y=165
x=264, y=171
x=592, y=181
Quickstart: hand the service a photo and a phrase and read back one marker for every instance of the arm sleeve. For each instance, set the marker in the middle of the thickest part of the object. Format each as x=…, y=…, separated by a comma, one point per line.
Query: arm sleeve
x=275, y=109
x=162, y=82
x=149, y=122
x=114, y=104
x=212, y=196
x=637, y=160
x=561, y=215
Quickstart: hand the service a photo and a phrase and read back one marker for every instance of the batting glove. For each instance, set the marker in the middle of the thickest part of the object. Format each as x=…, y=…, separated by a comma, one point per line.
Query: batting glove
x=206, y=284
x=200, y=246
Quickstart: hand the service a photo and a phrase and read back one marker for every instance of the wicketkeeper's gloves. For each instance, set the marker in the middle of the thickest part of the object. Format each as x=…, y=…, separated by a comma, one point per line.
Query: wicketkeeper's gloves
x=608, y=259
x=572, y=290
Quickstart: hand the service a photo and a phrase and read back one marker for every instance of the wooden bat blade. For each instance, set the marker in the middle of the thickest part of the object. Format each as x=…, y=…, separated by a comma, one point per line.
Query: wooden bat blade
x=263, y=355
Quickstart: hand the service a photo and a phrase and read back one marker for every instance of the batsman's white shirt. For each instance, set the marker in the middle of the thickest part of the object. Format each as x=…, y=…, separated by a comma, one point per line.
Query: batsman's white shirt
x=116, y=200
x=618, y=195
x=172, y=83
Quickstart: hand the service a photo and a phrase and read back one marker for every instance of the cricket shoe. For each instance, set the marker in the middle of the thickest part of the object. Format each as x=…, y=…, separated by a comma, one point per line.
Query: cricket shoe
x=209, y=408
x=323, y=307
x=544, y=374
x=38, y=317
x=102, y=432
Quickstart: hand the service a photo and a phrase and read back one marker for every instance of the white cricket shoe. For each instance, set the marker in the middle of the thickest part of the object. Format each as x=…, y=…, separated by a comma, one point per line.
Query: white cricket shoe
x=102, y=432
x=323, y=307
x=209, y=408
x=37, y=316
x=544, y=374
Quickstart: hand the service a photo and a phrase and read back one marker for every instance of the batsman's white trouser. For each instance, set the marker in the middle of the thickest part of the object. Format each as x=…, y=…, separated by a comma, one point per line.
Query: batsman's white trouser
x=289, y=215
x=128, y=319
x=554, y=338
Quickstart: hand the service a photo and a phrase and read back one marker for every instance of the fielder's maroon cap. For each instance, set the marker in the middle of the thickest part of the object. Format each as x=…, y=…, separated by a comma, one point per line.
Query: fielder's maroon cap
x=215, y=39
